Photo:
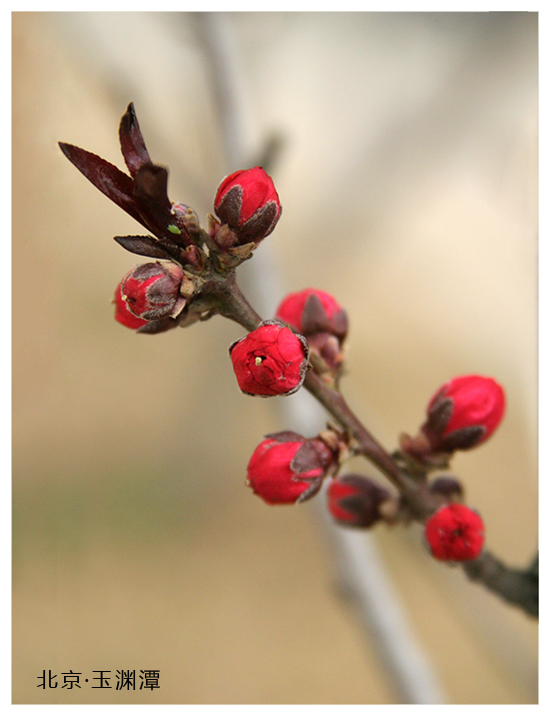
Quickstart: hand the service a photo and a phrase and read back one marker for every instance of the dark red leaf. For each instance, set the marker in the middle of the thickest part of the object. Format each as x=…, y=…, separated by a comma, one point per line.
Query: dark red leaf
x=106, y=177
x=152, y=184
x=132, y=145
x=150, y=194
x=146, y=246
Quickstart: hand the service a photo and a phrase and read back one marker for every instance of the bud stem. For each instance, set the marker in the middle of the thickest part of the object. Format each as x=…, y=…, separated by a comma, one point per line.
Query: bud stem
x=415, y=492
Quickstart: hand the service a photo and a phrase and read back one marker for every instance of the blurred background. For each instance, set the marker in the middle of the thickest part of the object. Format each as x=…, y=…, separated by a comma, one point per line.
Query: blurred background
x=408, y=172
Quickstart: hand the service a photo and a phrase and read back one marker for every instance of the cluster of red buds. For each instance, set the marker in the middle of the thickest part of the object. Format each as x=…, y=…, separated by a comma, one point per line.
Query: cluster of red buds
x=463, y=413
x=156, y=297
x=192, y=278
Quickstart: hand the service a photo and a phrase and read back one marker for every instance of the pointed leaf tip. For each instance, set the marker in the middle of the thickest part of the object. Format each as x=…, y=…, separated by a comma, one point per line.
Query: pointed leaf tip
x=106, y=177
x=144, y=246
x=132, y=143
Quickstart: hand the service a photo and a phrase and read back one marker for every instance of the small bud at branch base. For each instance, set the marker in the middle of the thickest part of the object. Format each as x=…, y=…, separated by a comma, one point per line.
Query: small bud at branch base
x=354, y=500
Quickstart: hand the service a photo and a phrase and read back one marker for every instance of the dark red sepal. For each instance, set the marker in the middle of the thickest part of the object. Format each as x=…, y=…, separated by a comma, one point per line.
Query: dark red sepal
x=159, y=326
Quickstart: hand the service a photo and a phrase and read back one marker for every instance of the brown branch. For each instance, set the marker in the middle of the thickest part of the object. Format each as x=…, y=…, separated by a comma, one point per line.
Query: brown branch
x=415, y=492
x=518, y=587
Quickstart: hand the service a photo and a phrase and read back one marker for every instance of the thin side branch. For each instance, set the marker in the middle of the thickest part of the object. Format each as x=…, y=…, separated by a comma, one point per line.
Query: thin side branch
x=514, y=586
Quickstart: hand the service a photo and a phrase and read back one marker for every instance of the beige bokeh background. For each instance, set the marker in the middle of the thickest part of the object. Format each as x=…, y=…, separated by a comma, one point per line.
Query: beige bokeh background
x=408, y=175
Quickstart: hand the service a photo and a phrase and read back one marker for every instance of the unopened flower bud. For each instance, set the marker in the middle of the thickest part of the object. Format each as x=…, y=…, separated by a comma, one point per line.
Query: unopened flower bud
x=152, y=291
x=317, y=316
x=287, y=468
x=312, y=311
x=464, y=413
x=123, y=314
x=248, y=202
x=354, y=500
x=186, y=224
x=271, y=360
x=455, y=533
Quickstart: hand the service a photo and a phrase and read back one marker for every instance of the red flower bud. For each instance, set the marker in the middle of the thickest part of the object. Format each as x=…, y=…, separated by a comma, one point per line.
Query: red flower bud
x=152, y=291
x=247, y=201
x=313, y=311
x=464, y=413
x=287, y=468
x=317, y=316
x=271, y=360
x=455, y=533
x=354, y=500
x=122, y=312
